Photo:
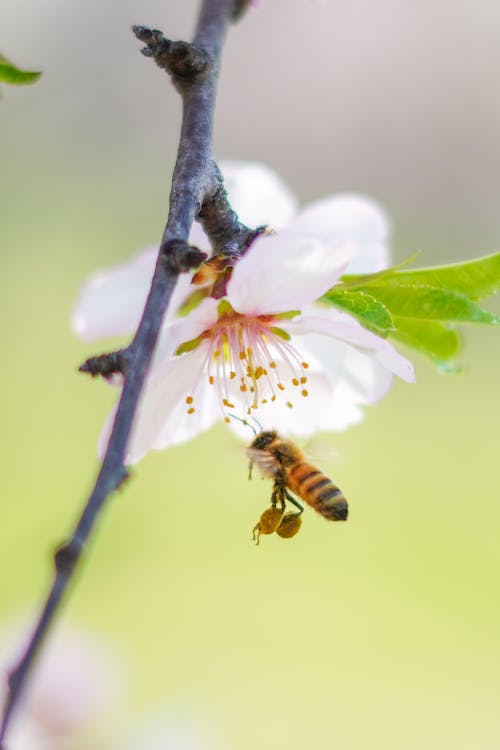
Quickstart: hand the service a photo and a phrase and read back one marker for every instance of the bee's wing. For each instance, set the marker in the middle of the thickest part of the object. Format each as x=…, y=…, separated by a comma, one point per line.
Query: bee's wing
x=319, y=451
x=264, y=460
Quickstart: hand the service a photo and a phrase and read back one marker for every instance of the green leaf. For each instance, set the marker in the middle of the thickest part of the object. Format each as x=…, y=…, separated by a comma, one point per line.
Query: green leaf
x=476, y=279
x=431, y=338
x=372, y=313
x=10, y=74
x=423, y=302
x=353, y=281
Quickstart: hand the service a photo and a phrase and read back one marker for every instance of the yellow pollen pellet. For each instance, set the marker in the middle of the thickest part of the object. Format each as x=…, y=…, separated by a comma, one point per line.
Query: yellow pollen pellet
x=295, y=381
x=303, y=380
x=272, y=364
x=304, y=392
x=189, y=399
x=191, y=410
x=243, y=388
x=289, y=404
x=304, y=365
x=211, y=379
x=281, y=386
x=232, y=375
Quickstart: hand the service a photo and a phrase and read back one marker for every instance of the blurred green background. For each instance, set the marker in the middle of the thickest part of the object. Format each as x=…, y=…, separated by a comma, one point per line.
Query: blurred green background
x=383, y=632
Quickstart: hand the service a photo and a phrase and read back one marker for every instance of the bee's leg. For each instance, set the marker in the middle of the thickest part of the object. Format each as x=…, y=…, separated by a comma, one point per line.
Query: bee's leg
x=279, y=492
x=295, y=502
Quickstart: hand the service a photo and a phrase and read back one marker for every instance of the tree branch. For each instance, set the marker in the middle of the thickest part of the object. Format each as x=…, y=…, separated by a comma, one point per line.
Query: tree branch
x=197, y=190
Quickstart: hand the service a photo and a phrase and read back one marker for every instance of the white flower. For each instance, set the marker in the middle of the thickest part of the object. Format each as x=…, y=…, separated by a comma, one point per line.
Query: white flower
x=267, y=349
x=77, y=682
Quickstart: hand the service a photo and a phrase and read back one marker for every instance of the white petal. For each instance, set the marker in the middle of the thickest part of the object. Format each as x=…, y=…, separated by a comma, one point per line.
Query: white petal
x=341, y=326
x=285, y=272
x=164, y=394
x=198, y=238
x=111, y=302
x=257, y=194
x=348, y=218
x=357, y=377
x=324, y=409
x=181, y=330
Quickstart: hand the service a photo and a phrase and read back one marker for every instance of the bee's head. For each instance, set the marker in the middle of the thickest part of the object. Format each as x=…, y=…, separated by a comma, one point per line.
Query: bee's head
x=264, y=440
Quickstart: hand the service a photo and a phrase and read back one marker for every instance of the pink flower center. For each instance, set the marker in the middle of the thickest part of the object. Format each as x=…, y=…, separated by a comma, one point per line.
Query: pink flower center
x=250, y=361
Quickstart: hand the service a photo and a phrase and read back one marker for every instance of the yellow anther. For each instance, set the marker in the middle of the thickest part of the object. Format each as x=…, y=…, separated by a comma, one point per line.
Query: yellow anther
x=305, y=392
x=289, y=404
x=303, y=379
x=191, y=410
x=227, y=403
x=243, y=355
x=281, y=386
x=232, y=375
x=304, y=365
x=211, y=379
x=295, y=381
x=243, y=388
x=272, y=365
x=189, y=399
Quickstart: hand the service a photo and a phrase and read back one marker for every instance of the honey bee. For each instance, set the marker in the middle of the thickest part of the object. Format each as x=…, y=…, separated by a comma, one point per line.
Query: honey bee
x=281, y=460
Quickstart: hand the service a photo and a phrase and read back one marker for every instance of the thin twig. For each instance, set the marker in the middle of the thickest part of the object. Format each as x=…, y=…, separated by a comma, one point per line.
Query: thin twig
x=196, y=184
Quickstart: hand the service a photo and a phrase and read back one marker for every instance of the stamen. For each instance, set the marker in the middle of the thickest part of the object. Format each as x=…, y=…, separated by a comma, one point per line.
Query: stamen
x=248, y=350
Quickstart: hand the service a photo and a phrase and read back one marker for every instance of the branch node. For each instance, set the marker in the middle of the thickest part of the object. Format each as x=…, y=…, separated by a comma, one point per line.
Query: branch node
x=107, y=365
x=179, y=256
x=184, y=61
x=240, y=7
x=67, y=554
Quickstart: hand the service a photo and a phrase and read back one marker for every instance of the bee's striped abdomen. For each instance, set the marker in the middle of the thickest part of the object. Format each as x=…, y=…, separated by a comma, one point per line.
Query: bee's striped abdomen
x=318, y=491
